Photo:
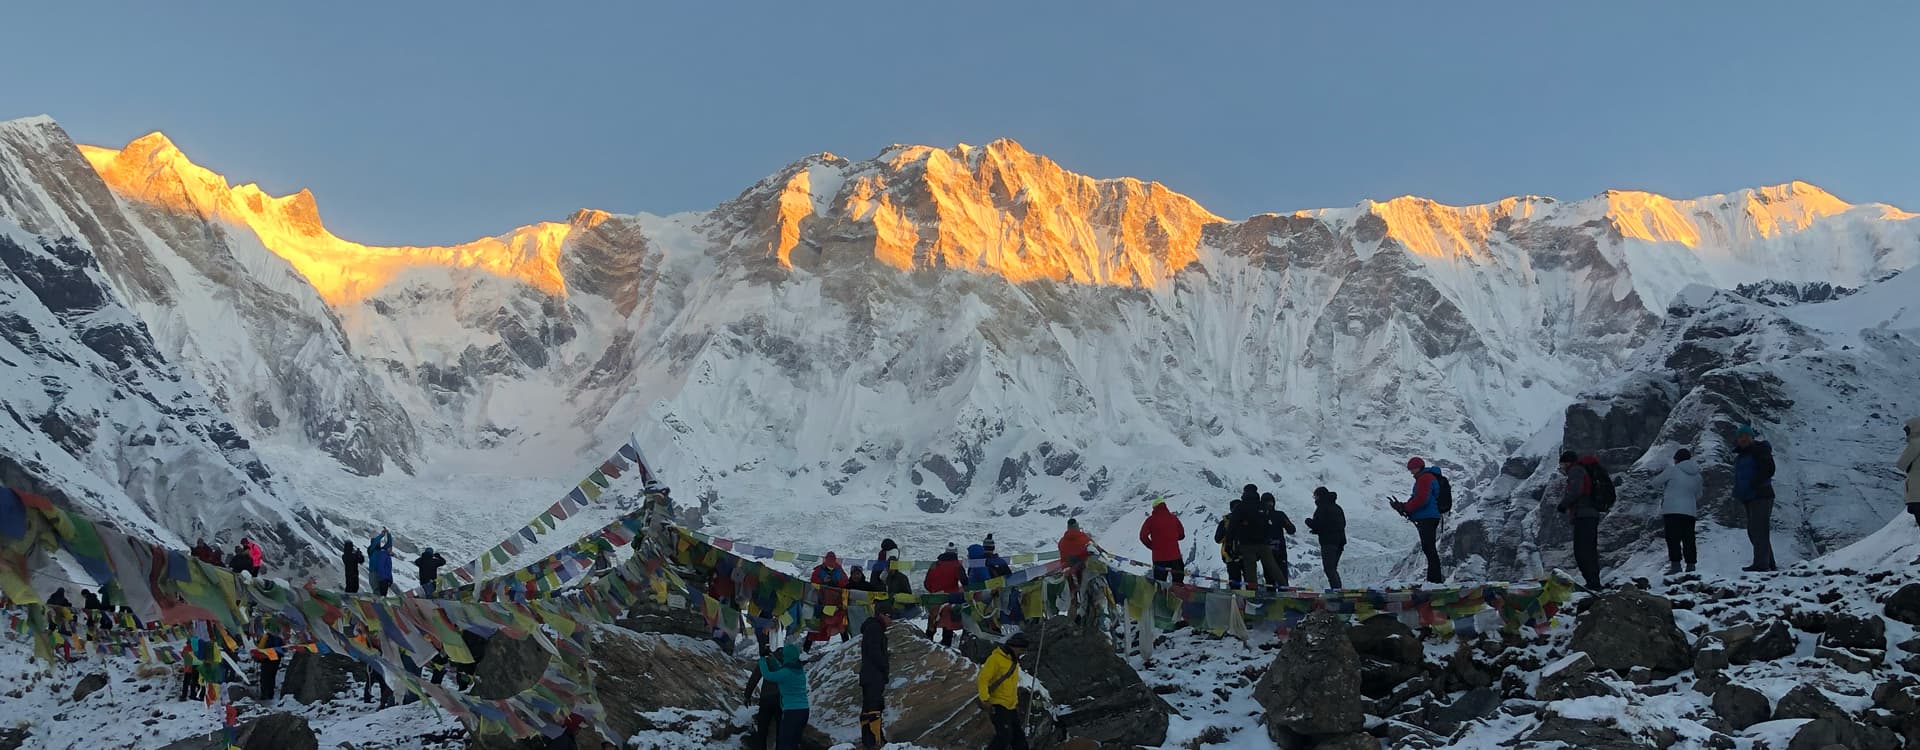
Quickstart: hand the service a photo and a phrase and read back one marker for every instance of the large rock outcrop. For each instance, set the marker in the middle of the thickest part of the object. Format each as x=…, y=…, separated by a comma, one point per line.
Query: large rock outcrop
x=1632, y=628
x=313, y=677
x=1096, y=694
x=930, y=697
x=640, y=673
x=1312, y=690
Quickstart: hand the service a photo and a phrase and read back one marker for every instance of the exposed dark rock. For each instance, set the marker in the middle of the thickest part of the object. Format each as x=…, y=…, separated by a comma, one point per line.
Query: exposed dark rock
x=1585, y=734
x=653, y=618
x=88, y=685
x=1904, y=605
x=1849, y=631
x=1631, y=628
x=637, y=673
x=1821, y=734
x=1807, y=702
x=1741, y=706
x=1386, y=637
x=1854, y=660
x=313, y=677
x=1099, y=696
x=511, y=665
x=1313, y=686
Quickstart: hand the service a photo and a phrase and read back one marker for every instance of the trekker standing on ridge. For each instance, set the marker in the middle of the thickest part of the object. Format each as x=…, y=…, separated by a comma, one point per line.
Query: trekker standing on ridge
x=1161, y=534
x=999, y=686
x=239, y=560
x=1229, y=541
x=350, y=560
x=1753, y=487
x=791, y=678
x=380, y=561
x=997, y=566
x=1329, y=522
x=1679, y=504
x=205, y=553
x=833, y=578
x=885, y=577
x=945, y=577
x=1075, y=547
x=1423, y=509
x=1577, y=502
x=1279, y=526
x=1909, y=463
x=429, y=563
x=268, y=659
x=766, y=720
x=1253, y=528
x=255, y=556
x=874, y=670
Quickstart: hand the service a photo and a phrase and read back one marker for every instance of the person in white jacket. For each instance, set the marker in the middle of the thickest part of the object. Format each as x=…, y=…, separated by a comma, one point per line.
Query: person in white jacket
x=1909, y=464
x=1678, y=507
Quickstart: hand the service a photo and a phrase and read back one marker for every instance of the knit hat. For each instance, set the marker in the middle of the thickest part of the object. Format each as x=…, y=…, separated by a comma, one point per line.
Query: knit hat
x=952, y=549
x=1416, y=463
x=1159, y=501
x=1073, y=523
x=887, y=544
x=987, y=543
x=1745, y=429
x=1682, y=454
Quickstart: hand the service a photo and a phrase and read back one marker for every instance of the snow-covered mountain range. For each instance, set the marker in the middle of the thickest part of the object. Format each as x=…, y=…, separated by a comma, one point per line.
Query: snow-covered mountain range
x=932, y=344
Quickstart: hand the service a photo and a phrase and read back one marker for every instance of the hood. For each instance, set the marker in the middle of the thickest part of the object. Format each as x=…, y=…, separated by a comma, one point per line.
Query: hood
x=790, y=655
x=976, y=552
x=1689, y=467
x=1161, y=510
x=1913, y=427
x=1326, y=501
x=831, y=560
x=949, y=556
x=1759, y=446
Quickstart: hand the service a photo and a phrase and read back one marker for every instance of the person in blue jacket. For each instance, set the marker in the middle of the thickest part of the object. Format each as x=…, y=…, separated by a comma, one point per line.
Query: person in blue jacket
x=380, y=561
x=1753, y=487
x=787, y=674
x=1423, y=509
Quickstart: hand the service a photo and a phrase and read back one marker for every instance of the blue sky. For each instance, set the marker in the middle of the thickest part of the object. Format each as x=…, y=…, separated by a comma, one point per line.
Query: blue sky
x=437, y=122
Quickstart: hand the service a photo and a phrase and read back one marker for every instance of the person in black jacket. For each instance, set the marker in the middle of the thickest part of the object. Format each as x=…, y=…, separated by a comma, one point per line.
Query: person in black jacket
x=1253, y=527
x=1224, y=535
x=429, y=563
x=1280, y=526
x=1329, y=522
x=766, y=718
x=350, y=559
x=874, y=670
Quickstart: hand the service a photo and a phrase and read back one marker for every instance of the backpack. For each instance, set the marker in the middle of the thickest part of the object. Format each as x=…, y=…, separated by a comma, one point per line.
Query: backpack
x=1445, y=500
x=1603, y=493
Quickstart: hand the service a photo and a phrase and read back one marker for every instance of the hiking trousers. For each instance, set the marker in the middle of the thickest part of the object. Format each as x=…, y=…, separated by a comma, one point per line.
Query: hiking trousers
x=1255, y=556
x=1680, y=538
x=1330, y=559
x=1760, y=532
x=1586, y=550
x=1430, y=544
x=1008, y=734
x=793, y=724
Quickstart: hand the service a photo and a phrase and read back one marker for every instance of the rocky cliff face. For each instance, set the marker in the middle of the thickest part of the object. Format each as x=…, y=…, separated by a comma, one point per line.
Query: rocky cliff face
x=101, y=419
x=933, y=343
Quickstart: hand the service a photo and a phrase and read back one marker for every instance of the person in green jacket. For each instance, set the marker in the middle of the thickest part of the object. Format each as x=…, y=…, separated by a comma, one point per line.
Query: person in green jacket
x=786, y=673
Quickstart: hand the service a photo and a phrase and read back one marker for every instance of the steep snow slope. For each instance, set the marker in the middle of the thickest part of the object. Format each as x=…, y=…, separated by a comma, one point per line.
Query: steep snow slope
x=98, y=419
x=933, y=343
x=1829, y=385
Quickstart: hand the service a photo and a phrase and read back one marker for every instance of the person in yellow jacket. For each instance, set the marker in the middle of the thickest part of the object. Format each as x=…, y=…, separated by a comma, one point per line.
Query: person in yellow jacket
x=999, y=684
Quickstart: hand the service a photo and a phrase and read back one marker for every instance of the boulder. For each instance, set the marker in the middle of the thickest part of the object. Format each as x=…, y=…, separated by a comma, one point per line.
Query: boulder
x=1630, y=628
x=1478, y=703
x=931, y=696
x=1464, y=670
x=275, y=731
x=1807, y=702
x=1854, y=660
x=655, y=618
x=14, y=738
x=1849, y=631
x=637, y=673
x=1349, y=741
x=313, y=677
x=1379, y=677
x=508, y=666
x=1820, y=734
x=1098, y=695
x=1386, y=638
x=1904, y=605
x=1554, y=676
x=1741, y=706
x=1584, y=734
x=1710, y=659
x=1775, y=640
x=1313, y=685
x=89, y=685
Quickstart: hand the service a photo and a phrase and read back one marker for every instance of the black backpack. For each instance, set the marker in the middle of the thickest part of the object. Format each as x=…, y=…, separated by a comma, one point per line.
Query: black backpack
x=1603, y=488
x=1446, y=493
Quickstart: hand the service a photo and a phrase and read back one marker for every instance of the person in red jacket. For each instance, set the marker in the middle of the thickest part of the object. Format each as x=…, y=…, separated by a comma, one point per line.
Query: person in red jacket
x=946, y=577
x=1162, y=534
x=1075, y=547
x=833, y=581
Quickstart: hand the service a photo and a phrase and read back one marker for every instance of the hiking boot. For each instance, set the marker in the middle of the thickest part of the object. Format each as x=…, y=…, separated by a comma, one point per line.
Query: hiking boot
x=1689, y=567
x=1673, y=567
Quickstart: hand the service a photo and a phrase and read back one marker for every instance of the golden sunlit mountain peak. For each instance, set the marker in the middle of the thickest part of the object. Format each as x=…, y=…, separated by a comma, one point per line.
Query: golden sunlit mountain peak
x=152, y=171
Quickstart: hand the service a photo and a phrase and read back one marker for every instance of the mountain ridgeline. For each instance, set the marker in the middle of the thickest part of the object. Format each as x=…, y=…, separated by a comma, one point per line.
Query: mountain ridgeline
x=929, y=345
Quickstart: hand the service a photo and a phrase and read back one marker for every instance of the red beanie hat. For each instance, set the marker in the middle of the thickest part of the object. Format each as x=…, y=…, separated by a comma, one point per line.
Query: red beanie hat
x=1415, y=464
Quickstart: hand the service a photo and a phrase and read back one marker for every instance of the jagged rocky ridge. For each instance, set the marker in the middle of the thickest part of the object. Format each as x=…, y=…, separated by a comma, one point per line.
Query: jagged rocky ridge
x=973, y=332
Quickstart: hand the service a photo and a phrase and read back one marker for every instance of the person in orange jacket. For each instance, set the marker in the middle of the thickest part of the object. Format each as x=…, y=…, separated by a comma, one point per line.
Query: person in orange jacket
x=1161, y=534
